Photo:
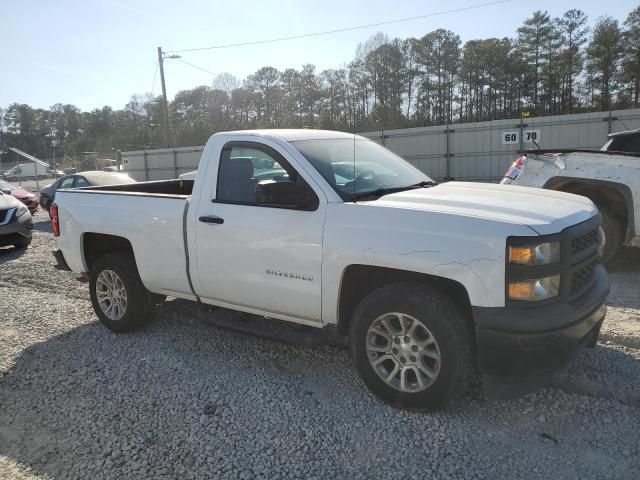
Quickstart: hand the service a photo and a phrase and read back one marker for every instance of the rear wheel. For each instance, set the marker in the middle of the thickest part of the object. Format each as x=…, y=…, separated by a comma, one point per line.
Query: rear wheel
x=119, y=298
x=611, y=235
x=412, y=346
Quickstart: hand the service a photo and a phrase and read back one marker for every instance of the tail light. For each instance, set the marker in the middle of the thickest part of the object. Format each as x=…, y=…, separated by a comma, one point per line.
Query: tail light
x=55, y=221
x=516, y=167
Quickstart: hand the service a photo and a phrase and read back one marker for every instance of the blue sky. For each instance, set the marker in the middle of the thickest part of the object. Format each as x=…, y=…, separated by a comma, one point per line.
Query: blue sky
x=99, y=52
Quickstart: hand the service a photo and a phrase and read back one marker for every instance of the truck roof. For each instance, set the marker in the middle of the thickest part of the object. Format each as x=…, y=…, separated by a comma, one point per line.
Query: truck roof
x=294, y=134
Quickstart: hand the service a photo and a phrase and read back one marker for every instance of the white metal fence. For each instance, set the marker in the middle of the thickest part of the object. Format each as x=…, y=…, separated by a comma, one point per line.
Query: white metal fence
x=160, y=164
x=465, y=151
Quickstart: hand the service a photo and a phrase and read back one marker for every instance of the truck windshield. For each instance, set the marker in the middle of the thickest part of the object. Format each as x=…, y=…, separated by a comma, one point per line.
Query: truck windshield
x=360, y=168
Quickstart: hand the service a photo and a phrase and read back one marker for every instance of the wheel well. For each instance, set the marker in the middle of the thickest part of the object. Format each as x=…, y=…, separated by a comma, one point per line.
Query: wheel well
x=603, y=196
x=95, y=245
x=360, y=280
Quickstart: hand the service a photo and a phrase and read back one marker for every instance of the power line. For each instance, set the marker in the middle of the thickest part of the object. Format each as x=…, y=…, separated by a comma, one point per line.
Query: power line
x=197, y=67
x=340, y=30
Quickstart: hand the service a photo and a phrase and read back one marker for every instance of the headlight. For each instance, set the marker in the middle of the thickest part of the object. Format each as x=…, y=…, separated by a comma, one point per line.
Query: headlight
x=21, y=211
x=534, y=289
x=541, y=254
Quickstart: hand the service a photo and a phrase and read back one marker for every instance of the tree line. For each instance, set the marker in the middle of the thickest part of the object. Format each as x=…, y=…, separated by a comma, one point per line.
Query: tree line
x=552, y=66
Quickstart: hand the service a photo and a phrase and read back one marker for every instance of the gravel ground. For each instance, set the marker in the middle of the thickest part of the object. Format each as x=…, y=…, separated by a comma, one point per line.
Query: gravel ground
x=182, y=399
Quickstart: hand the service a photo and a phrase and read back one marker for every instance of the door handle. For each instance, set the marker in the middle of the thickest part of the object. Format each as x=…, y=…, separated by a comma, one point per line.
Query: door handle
x=212, y=219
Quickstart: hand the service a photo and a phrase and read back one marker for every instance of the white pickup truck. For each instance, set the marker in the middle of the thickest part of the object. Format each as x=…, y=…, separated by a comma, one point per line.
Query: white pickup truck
x=610, y=177
x=430, y=283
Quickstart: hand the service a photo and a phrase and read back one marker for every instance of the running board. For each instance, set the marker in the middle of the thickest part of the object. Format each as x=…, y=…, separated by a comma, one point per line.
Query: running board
x=267, y=328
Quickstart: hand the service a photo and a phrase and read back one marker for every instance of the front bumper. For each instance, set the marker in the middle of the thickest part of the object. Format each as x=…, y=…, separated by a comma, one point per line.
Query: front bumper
x=16, y=231
x=516, y=342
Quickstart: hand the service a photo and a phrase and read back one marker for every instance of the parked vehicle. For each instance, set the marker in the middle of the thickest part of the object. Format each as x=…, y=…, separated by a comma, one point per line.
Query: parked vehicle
x=610, y=177
x=54, y=173
x=429, y=283
x=26, y=171
x=69, y=171
x=15, y=222
x=26, y=197
x=82, y=179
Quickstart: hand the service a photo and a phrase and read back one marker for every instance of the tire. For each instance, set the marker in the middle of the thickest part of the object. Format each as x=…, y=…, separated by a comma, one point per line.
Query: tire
x=445, y=323
x=612, y=230
x=24, y=243
x=136, y=308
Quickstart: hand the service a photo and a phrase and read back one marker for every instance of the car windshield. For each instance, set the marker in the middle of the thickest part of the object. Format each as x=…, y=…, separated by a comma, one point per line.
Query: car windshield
x=357, y=168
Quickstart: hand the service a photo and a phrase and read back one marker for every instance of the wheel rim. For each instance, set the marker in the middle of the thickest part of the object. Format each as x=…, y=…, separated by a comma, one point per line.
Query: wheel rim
x=403, y=352
x=603, y=240
x=111, y=294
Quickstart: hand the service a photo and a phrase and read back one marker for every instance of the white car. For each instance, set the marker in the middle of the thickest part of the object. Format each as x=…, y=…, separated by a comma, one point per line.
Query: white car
x=610, y=177
x=428, y=282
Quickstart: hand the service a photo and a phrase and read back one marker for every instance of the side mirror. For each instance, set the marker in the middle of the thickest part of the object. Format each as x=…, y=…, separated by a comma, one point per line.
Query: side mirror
x=286, y=195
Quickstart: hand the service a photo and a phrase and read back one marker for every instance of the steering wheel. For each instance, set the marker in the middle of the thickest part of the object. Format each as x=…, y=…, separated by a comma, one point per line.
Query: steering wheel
x=366, y=174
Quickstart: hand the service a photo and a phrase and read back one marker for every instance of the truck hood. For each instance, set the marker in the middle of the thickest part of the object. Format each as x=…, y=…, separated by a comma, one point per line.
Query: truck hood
x=545, y=211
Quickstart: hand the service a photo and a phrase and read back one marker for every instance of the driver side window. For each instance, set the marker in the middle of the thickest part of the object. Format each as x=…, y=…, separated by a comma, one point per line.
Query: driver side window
x=244, y=167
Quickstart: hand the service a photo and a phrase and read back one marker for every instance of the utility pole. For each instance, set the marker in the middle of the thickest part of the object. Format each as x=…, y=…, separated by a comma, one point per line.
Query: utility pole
x=165, y=104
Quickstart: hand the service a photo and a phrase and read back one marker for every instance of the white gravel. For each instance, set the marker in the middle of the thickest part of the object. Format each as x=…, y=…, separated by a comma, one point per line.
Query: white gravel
x=182, y=399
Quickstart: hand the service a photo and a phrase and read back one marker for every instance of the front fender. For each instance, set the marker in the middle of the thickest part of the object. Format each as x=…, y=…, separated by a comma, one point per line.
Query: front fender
x=467, y=250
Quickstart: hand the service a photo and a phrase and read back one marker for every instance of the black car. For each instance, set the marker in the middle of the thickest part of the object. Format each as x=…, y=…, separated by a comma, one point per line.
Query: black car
x=15, y=222
x=82, y=179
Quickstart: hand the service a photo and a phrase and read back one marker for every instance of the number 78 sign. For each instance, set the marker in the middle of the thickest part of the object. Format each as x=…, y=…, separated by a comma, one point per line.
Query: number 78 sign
x=513, y=137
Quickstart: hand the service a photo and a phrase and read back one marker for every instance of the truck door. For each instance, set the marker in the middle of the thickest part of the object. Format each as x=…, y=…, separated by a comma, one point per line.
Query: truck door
x=253, y=257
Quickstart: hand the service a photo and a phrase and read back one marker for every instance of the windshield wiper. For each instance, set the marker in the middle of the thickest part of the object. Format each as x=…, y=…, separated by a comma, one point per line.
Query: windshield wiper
x=379, y=192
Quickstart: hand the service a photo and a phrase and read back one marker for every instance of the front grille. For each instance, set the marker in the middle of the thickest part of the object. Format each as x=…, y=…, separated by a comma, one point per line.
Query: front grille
x=581, y=278
x=583, y=242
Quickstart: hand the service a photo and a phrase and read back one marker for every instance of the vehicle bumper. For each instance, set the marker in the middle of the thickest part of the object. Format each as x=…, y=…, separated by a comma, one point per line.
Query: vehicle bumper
x=516, y=342
x=16, y=231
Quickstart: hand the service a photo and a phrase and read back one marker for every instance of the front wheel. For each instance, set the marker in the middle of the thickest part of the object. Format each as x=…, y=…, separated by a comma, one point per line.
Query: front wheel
x=119, y=298
x=610, y=236
x=412, y=346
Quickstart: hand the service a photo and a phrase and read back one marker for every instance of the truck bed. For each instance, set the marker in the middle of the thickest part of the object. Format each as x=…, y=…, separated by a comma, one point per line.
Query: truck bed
x=177, y=187
x=149, y=215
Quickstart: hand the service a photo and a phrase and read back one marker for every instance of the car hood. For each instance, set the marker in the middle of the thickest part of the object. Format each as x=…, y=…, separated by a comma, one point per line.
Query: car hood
x=20, y=193
x=544, y=211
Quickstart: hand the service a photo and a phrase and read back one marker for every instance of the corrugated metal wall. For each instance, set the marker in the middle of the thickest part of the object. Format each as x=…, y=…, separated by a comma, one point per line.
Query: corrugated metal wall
x=480, y=151
x=160, y=164
x=464, y=151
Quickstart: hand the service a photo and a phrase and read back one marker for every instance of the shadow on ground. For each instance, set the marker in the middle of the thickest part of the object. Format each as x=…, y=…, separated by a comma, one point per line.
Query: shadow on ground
x=11, y=253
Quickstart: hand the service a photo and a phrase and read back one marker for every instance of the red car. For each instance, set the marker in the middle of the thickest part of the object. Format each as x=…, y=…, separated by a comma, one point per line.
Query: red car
x=28, y=198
